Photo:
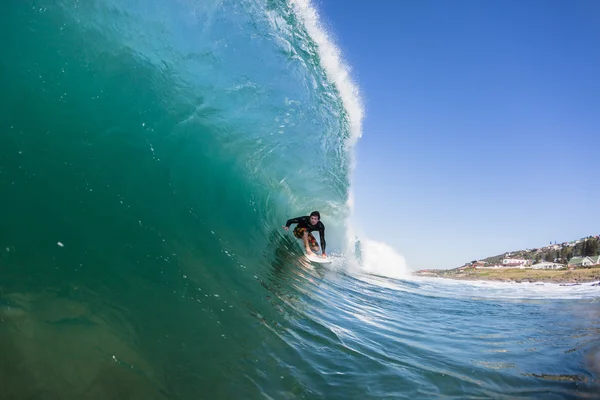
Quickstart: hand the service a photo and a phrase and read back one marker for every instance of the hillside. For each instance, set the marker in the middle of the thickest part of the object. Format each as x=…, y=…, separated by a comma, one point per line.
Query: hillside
x=493, y=268
x=557, y=252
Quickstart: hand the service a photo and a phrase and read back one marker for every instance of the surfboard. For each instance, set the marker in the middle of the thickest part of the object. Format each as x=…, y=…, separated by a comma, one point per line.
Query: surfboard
x=317, y=259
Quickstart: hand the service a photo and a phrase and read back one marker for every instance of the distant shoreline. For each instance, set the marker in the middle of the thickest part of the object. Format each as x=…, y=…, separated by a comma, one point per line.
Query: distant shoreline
x=576, y=276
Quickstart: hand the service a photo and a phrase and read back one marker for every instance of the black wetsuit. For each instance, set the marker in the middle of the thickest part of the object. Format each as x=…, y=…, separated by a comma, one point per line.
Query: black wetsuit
x=304, y=222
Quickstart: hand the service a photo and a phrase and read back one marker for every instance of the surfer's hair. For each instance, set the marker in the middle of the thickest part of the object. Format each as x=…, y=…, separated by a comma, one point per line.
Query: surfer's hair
x=316, y=213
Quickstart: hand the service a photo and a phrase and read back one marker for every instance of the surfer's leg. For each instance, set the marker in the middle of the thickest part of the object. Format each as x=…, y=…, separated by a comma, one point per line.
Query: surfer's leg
x=313, y=242
x=306, y=244
x=305, y=240
x=301, y=233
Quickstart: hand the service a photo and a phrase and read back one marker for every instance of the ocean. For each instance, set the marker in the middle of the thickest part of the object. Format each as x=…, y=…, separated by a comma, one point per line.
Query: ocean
x=150, y=152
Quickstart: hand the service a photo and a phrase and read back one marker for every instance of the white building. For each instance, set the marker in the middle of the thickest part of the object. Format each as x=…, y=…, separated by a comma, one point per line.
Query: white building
x=584, y=261
x=515, y=262
x=547, y=265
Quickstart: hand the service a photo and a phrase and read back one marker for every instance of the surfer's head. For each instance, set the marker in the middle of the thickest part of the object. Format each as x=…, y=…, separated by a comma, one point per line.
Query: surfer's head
x=315, y=217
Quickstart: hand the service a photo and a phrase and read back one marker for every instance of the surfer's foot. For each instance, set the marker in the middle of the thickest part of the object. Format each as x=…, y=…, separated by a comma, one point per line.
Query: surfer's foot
x=310, y=253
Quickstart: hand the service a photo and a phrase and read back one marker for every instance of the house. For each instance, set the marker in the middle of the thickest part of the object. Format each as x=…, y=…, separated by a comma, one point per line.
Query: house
x=491, y=266
x=576, y=262
x=547, y=265
x=583, y=261
x=515, y=262
x=595, y=259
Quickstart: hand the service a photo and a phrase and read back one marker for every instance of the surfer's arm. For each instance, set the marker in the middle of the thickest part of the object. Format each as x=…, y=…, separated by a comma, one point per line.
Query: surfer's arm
x=293, y=221
x=322, y=238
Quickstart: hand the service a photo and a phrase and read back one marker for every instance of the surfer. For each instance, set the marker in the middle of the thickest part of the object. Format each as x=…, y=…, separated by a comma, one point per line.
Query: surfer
x=306, y=225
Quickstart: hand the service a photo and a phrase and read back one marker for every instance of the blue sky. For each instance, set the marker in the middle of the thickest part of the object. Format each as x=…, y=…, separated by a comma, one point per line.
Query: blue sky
x=482, y=127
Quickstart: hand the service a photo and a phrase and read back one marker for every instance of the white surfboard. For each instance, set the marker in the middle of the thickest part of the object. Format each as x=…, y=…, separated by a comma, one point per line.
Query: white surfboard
x=317, y=259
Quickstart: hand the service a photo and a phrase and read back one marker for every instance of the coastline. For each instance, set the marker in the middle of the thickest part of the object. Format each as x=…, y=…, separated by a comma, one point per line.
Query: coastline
x=576, y=276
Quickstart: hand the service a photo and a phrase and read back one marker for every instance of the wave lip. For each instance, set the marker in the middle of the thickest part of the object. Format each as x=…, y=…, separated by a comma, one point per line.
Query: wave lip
x=332, y=61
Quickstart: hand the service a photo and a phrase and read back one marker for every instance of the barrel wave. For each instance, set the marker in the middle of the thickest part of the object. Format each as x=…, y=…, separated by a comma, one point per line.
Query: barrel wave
x=150, y=152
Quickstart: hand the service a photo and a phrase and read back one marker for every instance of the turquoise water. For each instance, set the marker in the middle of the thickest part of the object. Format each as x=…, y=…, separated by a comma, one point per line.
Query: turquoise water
x=149, y=154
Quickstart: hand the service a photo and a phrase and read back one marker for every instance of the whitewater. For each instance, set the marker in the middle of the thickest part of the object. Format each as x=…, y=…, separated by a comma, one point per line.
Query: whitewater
x=150, y=152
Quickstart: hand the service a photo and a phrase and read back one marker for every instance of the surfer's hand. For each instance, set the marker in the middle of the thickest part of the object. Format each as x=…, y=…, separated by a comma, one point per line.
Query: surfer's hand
x=287, y=228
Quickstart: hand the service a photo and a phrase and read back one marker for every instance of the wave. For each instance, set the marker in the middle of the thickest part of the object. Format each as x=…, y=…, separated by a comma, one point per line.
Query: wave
x=252, y=104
